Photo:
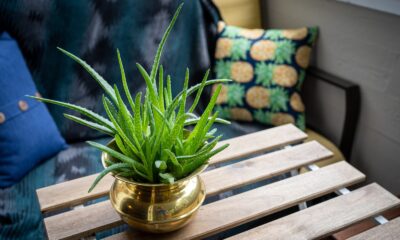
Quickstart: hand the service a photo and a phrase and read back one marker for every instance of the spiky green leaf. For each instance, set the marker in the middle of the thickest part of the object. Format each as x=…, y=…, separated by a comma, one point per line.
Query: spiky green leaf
x=100, y=80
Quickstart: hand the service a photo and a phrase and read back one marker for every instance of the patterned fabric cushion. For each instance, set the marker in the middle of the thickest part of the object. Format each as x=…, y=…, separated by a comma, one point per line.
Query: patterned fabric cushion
x=268, y=68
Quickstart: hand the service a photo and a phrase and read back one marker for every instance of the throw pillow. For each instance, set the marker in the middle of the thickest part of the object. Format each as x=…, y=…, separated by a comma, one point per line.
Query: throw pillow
x=268, y=68
x=28, y=134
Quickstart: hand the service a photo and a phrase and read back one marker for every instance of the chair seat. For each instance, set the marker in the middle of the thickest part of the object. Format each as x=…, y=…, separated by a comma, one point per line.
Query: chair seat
x=337, y=154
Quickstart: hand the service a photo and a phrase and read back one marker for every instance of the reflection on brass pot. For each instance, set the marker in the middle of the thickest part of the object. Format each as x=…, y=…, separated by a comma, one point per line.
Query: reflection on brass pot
x=157, y=208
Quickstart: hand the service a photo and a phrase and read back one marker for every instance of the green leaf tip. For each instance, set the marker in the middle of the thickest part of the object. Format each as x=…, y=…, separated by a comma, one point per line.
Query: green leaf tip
x=100, y=80
x=160, y=48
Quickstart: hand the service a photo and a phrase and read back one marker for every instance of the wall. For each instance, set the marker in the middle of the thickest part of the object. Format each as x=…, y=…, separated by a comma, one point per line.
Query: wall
x=242, y=13
x=363, y=46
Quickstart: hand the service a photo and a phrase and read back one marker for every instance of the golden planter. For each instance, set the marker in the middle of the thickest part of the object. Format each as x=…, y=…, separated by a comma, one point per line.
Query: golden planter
x=157, y=208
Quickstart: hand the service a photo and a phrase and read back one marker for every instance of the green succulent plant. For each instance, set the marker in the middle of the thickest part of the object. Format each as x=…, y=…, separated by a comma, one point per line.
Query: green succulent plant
x=153, y=144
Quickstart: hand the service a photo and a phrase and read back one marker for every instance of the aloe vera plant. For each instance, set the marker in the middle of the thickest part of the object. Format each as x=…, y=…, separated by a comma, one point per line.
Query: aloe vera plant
x=150, y=131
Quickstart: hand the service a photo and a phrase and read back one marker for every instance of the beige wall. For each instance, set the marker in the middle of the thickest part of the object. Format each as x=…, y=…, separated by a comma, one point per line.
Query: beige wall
x=363, y=46
x=242, y=13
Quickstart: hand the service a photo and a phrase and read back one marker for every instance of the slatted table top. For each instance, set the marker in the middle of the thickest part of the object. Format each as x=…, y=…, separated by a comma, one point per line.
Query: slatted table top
x=269, y=153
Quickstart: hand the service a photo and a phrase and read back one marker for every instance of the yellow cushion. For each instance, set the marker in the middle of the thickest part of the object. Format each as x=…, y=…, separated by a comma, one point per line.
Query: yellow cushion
x=337, y=154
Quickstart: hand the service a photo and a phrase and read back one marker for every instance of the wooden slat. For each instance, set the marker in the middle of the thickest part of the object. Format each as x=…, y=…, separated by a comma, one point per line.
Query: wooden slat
x=82, y=222
x=233, y=211
x=328, y=217
x=365, y=225
x=259, y=142
x=74, y=192
x=387, y=231
x=263, y=167
x=216, y=181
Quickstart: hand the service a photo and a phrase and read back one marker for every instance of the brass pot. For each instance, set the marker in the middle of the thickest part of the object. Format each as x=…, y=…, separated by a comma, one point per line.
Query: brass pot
x=157, y=208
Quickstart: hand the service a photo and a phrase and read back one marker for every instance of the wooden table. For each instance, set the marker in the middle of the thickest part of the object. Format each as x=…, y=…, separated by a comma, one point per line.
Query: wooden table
x=290, y=154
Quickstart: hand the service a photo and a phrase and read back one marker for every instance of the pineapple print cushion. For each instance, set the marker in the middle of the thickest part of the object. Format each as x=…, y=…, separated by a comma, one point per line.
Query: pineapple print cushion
x=267, y=68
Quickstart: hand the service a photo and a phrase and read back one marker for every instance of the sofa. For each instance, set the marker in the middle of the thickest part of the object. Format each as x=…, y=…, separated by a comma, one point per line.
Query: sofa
x=93, y=30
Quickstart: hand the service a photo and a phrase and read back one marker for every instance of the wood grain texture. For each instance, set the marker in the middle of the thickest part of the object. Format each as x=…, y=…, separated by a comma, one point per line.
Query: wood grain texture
x=263, y=167
x=327, y=217
x=387, y=231
x=233, y=211
x=74, y=192
x=82, y=222
x=259, y=142
x=365, y=225
x=216, y=181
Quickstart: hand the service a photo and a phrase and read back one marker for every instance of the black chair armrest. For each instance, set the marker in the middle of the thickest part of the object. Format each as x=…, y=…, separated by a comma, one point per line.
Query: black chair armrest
x=352, y=107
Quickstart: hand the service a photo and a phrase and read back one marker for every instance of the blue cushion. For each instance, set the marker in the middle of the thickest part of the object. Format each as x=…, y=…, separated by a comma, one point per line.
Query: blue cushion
x=28, y=134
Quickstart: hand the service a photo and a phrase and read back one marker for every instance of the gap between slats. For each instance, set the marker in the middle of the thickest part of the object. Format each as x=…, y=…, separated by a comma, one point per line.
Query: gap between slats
x=224, y=178
x=234, y=211
x=389, y=230
x=328, y=217
x=74, y=192
x=220, y=179
x=221, y=215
